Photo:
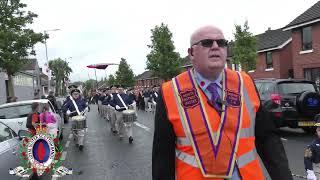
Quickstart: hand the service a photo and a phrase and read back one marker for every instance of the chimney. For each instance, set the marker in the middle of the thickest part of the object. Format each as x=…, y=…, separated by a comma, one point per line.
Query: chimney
x=269, y=29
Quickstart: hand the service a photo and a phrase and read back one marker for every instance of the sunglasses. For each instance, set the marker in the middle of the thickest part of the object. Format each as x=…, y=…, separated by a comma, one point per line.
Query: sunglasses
x=209, y=42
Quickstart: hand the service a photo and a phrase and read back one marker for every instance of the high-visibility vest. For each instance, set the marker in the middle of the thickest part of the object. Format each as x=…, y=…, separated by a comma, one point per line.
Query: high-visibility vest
x=210, y=145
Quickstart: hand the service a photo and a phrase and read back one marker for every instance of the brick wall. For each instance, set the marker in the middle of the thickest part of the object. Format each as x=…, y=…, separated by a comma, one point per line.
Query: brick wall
x=282, y=62
x=308, y=60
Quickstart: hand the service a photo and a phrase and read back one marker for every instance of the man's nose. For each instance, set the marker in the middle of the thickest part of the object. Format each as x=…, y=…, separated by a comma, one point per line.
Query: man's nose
x=215, y=45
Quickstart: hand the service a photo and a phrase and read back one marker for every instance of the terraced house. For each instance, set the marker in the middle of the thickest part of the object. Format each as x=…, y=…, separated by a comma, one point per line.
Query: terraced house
x=292, y=51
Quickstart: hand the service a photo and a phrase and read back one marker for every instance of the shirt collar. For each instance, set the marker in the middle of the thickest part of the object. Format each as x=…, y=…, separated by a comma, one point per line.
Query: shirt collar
x=204, y=83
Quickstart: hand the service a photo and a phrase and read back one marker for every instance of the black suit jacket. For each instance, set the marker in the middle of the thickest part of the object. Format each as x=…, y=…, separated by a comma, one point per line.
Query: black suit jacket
x=268, y=145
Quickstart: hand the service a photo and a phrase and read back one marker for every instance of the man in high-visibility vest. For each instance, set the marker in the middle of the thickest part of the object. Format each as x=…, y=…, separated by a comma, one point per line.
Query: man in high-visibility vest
x=209, y=123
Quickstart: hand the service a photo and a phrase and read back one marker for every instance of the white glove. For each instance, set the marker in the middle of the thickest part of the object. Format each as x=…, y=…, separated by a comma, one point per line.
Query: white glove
x=68, y=112
x=311, y=175
x=117, y=107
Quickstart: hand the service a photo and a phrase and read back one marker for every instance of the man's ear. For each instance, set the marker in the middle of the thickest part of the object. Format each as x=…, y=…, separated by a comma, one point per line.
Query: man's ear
x=190, y=51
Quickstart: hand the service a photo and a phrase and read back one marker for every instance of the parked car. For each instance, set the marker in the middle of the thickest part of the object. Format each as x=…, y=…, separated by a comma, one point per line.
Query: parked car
x=9, y=143
x=289, y=102
x=15, y=114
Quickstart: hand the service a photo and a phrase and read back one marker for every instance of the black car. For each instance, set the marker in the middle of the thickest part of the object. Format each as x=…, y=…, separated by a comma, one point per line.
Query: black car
x=291, y=103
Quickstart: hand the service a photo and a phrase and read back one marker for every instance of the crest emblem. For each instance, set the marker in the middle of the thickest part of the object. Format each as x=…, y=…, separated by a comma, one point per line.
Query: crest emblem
x=40, y=153
x=233, y=99
x=189, y=98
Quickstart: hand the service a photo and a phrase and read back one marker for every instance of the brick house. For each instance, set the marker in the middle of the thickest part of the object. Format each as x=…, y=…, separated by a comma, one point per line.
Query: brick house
x=292, y=51
x=305, y=30
x=274, y=57
x=147, y=79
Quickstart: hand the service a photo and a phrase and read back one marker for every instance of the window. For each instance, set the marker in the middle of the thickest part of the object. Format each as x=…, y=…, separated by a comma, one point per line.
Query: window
x=312, y=74
x=306, y=37
x=295, y=88
x=269, y=61
x=5, y=133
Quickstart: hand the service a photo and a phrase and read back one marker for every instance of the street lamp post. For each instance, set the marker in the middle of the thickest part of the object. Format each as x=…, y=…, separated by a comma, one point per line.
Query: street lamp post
x=45, y=43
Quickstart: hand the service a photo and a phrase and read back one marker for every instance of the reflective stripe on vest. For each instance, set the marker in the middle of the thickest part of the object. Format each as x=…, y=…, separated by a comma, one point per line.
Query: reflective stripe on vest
x=241, y=162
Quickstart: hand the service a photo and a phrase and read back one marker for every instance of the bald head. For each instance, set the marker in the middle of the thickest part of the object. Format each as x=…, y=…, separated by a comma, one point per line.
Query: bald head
x=202, y=32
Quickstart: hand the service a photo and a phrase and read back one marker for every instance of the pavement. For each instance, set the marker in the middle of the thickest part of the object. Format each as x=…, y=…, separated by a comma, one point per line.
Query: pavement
x=105, y=157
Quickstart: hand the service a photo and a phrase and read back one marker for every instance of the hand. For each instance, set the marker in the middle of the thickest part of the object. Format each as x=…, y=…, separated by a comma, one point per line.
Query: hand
x=68, y=112
x=117, y=107
x=311, y=175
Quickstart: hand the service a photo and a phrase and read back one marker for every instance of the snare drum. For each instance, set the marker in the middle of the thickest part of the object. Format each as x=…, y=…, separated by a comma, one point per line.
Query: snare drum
x=129, y=116
x=78, y=122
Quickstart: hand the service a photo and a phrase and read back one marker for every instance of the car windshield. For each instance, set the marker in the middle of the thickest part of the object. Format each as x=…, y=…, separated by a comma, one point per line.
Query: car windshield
x=294, y=88
x=17, y=111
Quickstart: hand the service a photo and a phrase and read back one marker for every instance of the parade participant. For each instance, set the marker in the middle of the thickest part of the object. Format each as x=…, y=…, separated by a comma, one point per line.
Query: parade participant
x=102, y=95
x=105, y=103
x=121, y=102
x=154, y=97
x=33, y=118
x=70, y=88
x=146, y=97
x=141, y=102
x=53, y=100
x=74, y=107
x=112, y=112
x=47, y=118
x=312, y=156
x=69, y=108
x=206, y=125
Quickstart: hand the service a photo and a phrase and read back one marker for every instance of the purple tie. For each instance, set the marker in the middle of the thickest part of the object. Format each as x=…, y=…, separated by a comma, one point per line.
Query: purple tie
x=213, y=89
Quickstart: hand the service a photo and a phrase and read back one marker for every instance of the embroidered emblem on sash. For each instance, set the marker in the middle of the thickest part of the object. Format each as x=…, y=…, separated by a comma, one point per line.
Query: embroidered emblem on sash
x=233, y=98
x=189, y=98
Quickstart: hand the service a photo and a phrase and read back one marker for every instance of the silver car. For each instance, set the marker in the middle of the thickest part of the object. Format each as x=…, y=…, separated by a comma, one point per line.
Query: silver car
x=15, y=114
x=9, y=143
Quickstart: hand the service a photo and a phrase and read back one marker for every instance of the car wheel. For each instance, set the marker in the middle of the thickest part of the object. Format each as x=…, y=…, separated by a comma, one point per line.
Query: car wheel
x=309, y=130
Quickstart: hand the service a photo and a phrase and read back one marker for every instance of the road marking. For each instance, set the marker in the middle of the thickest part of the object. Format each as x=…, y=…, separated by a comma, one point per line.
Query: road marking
x=64, y=155
x=67, y=144
x=284, y=139
x=54, y=178
x=142, y=126
x=70, y=136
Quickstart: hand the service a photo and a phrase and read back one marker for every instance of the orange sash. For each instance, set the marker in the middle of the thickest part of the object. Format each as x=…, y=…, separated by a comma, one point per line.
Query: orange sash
x=215, y=150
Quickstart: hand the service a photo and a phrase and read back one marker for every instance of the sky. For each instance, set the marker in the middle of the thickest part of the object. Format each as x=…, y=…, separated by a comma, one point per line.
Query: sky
x=103, y=31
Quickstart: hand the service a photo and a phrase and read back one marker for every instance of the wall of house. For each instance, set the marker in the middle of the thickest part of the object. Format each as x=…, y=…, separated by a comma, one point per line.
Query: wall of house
x=3, y=94
x=308, y=60
x=285, y=61
x=24, y=86
x=260, y=71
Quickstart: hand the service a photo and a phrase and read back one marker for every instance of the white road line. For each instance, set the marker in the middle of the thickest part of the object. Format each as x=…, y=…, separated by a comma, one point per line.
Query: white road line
x=54, y=178
x=64, y=155
x=67, y=144
x=142, y=126
x=70, y=136
x=284, y=139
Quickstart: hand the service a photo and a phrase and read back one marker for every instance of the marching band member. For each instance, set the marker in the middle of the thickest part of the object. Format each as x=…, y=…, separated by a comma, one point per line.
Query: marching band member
x=121, y=102
x=111, y=111
x=312, y=156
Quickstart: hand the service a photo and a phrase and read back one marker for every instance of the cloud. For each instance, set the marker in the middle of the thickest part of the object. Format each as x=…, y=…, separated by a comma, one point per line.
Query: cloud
x=99, y=31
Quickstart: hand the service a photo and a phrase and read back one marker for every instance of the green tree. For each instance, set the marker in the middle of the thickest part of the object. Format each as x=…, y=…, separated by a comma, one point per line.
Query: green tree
x=89, y=85
x=245, y=47
x=61, y=71
x=111, y=80
x=16, y=38
x=124, y=75
x=163, y=61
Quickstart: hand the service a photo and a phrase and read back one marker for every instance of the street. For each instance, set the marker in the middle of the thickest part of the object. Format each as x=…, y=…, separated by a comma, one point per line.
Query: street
x=105, y=157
